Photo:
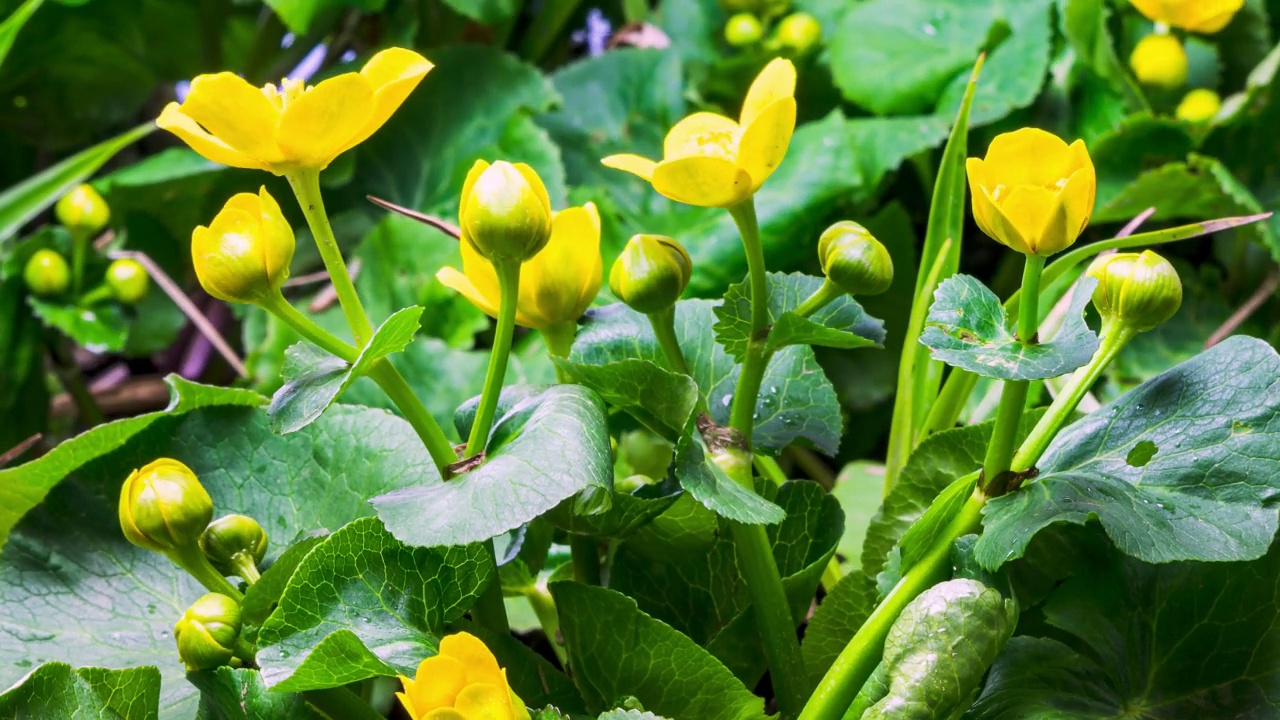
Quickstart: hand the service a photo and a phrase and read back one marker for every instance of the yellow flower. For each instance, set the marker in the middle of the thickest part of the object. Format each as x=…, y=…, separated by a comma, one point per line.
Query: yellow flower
x=1160, y=60
x=462, y=682
x=244, y=254
x=1199, y=106
x=1199, y=16
x=1033, y=192
x=556, y=286
x=712, y=161
x=293, y=126
x=504, y=212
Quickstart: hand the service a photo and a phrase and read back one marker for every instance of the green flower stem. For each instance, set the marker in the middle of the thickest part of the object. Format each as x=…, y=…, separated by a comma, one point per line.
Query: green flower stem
x=584, y=551
x=490, y=611
x=306, y=186
x=859, y=658
x=951, y=400
x=191, y=559
x=308, y=329
x=246, y=568
x=545, y=608
x=72, y=380
x=559, y=339
x=99, y=294
x=244, y=651
x=79, y=253
x=509, y=288
x=341, y=704
x=664, y=327
x=770, y=468
x=831, y=575
x=1013, y=396
x=742, y=414
x=820, y=299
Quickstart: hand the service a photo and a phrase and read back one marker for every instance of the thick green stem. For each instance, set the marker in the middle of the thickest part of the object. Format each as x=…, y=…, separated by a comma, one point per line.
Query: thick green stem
x=1013, y=396
x=820, y=299
x=307, y=328
x=306, y=186
x=341, y=704
x=770, y=469
x=664, y=327
x=859, y=658
x=246, y=568
x=742, y=414
x=946, y=410
x=585, y=553
x=490, y=610
x=509, y=288
x=545, y=608
x=191, y=559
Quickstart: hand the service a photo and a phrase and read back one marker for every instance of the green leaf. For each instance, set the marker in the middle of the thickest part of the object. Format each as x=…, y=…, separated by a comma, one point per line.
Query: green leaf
x=22, y=202
x=719, y=493
x=55, y=690
x=12, y=24
x=639, y=387
x=238, y=694
x=100, y=329
x=628, y=715
x=859, y=488
x=1016, y=67
x=842, y=323
x=544, y=450
x=1134, y=146
x=844, y=609
x=488, y=12
x=260, y=599
x=363, y=605
x=968, y=328
x=1181, y=468
x=619, y=651
x=300, y=15
x=626, y=513
x=314, y=379
x=1084, y=22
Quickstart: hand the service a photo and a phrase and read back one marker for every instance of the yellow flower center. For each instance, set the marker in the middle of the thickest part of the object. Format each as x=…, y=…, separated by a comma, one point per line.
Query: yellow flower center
x=713, y=143
x=287, y=91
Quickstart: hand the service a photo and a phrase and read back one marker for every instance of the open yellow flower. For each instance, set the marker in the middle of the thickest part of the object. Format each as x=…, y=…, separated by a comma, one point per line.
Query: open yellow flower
x=1199, y=16
x=293, y=126
x=462, y=682
x=556, y=286
x=711, y=161
x=1033, y=192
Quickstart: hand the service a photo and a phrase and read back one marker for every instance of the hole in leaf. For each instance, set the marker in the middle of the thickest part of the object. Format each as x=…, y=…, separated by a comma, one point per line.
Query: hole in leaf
x=1141, y=454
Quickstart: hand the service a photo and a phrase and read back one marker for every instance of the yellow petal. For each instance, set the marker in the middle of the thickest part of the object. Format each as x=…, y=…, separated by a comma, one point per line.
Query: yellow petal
x=236, y=113
x=776, y=81
x=702, y=133
x=565, y=276
x=702, y=181
x=393, y=74
x=765, y=141
x=278, y=240
x=483, y=701
x=474, y=655
x=478, y=283
x=461, y=284
x=1077, y=199
x=1029, y=156
x=477, y=169
x=983, y=206
x=199, y=139
x=634, y=164
x=437, y=683
x=1039, y=217
x=407, y=701
x=1211, y=16
x=320, y=124
x=445, y=714
x=535, y=181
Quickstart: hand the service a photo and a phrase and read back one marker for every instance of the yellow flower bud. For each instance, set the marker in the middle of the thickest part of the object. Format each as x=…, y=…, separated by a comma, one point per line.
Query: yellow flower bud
x=1199, y=106
x=798, y=33
x=1200, y=16
x=244, y=254
x=743, y=29
x=163, y=506
x=207, y=633
x=46, y=273
x=1138, y=290
x=1033, y=193
x=651, y=273
x=128, y=281
x=462, y=681
x=1160, y=60
x=854, y=260
x=82, y=210
x=234, y=542
x=504, y=212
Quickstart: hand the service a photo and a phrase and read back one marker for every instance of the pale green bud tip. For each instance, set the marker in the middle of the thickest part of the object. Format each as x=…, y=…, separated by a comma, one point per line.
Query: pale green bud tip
x=854, y=260
x=46, y=273
x=128, y=281
x=505, y=212
x=206, y=634
x=233, y=538
x=651, y=273
x=163, y=506
x=83, y=209
x=1138, y=290
x=799, y=32
x=743, y=29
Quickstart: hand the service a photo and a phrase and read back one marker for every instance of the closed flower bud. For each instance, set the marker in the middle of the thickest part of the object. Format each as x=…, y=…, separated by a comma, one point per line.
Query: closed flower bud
x=82, y=210
x=46, y=273
x=743, y=29
x=798, y=33
x=207, y=632
x=244, y=254
x=651, y=273
x=128, y=281
x=1160, y=60
x=234, y=542
x=505, y=212
x=163, y=506
x=1199, y=106
x=854, y=260
x=1139, y=291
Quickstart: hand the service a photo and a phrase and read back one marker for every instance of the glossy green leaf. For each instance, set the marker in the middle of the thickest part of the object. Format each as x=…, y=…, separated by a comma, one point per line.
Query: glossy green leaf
x=844, y=609
x=238, y=694
x=1181, y=468
x=12, y=24
x=101, y=329
x=968, y=328
x=641, y=387
x=260, y=599
x=1019, y=51
x=1084, y=22
x=859, y=488
x=300, y=15
x=719, y=493
x=55, y=690
x=628, y=715
x=626, y=513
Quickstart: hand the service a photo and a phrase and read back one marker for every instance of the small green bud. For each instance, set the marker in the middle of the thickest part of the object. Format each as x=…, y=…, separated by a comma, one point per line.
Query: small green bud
x=743, y=29
x=82, y=210
x=233, y=541
x=163, y=506
x=128, y=281
x=207, y=632
x=505, y=212
x=854, y=260
x=651, y=273
x=46, y=273
x=798, y=33
x=1138, y=290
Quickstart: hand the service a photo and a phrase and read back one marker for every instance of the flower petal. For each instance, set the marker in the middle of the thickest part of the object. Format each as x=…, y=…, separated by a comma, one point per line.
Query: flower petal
x=278, y=243
x=1039, y=218
x=437, y=683
x=702, y=181
x=565, y=276
x=199, y=139
x=477, y=169
x=393, y=74
x=776, y=81
x=444, y=714
x=983, y=204
x=461, y=284
x=1078, y=199
x=474, y=655
x=484, y=701
x=535, y=182
x=320, y=123
x=236, y=113
x=634, y=164
x=1211, y=16
x=702, y=133
x=1029, y=156
x=765, y=141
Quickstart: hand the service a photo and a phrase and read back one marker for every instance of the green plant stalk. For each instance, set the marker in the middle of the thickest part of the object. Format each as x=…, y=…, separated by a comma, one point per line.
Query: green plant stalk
x=72, y=381
x=769, y=468
x=246, y=568
x=192, y=559
x=756, y=361
x=95, y=296
x=490, y=610
x=664, y=327
x=546, y=28
x=341, y=704
x=545, y=608
x=307, y=328
x=79, y=252
x=859, y=658
x=584, y=552
x=819, y=299
x=509, y=290
x=306, y=186
x=946, y=410
x=1013, y=395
